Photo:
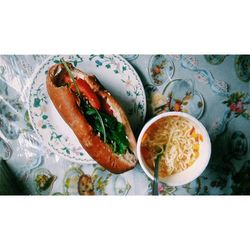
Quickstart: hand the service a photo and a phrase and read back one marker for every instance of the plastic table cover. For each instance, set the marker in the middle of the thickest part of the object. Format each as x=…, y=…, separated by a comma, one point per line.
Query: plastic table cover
x=221, y=86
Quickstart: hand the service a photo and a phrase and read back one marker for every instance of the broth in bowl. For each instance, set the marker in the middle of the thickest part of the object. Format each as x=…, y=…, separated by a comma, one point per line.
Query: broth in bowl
x=178, y=138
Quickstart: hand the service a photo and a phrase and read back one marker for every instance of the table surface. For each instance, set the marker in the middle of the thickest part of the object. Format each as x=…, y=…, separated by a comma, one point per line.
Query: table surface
x=221, y=84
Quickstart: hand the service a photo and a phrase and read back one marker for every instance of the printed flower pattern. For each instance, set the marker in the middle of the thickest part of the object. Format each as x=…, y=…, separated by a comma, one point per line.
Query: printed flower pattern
x=228, y=170
x=237, y=104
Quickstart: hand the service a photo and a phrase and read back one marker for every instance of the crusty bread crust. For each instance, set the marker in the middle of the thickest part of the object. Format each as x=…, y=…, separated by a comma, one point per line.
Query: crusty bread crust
x=66, y=105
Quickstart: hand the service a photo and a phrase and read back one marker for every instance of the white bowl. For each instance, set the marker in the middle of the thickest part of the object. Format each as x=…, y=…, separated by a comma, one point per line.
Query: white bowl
x=193, y=171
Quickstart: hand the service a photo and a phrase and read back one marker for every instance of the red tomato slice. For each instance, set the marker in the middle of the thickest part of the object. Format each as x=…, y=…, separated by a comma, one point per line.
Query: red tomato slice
x=67, y=79
x=108, y=109
x=85, y=89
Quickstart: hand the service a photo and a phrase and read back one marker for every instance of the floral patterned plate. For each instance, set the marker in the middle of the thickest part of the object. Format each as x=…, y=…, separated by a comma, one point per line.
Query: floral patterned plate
x=160, y=69
x=116, y=75
x=215, y=59
x=181, y=96
x=130, y=57
x=242, y=67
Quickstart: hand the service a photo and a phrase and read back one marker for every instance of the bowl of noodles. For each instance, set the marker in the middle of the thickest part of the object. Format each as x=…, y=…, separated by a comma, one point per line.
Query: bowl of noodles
x=185, y=143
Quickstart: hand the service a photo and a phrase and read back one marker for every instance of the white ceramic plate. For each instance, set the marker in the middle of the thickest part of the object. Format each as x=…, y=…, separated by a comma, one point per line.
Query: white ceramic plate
x=115, y=74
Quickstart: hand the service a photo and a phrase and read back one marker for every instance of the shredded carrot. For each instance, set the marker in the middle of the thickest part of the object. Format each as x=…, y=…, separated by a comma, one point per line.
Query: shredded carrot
x=192, y=130
x=195, y=136
x=201, y=137
x=144, y=137
x=196, y=147
x=196, y=154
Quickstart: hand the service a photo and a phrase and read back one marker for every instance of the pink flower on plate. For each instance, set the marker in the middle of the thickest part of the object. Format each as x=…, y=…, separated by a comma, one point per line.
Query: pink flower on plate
x=128, y=83
x=40, y=123
x=43, y=108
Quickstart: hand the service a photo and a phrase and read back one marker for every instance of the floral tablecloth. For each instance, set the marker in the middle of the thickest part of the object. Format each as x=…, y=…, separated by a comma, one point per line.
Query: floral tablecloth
x=213, y=88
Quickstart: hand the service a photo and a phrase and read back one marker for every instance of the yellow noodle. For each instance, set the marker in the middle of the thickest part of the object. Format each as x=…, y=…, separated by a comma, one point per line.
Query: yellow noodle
x=177, y=134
